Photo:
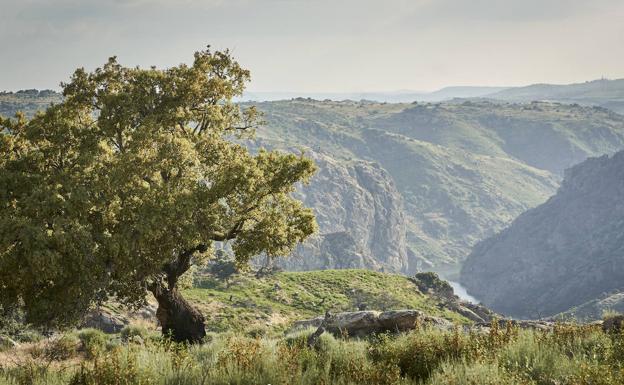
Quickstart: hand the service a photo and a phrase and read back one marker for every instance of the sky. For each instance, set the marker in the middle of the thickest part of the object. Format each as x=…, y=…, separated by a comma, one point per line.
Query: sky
x=322, y=45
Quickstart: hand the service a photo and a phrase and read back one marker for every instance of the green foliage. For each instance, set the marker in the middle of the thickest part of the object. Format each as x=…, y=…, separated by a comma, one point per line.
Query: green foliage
x=568, y=355
x=30, y=336
x=544, y=364
x=134, y=170
x=430, y=281
x=278, y=299
x=130, y=332
x=480, y=373
x=61, y=348
x=93, y=341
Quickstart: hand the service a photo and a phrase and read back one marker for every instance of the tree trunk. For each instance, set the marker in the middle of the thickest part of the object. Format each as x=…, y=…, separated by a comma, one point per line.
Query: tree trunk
x=178, y=318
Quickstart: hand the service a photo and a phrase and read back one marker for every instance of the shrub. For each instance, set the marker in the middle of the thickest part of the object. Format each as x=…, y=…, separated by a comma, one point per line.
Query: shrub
x=431, y=282
x=420, y=352
x=62, y=348
x=463, y=373
x=115, y=369
x=535, y=360
x=130, y=332
x=29, y=336
x=6, y=343
x=93, y=341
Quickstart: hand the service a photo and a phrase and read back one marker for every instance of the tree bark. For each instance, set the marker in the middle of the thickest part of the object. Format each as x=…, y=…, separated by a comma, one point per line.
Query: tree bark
x=178, y=318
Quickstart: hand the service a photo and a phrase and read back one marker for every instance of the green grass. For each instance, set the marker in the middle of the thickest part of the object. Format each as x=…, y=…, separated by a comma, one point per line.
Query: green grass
x=275, y=301
x=569, y=355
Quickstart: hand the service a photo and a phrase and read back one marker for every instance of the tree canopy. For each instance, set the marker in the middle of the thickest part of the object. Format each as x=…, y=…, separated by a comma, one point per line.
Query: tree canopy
x=130, y=180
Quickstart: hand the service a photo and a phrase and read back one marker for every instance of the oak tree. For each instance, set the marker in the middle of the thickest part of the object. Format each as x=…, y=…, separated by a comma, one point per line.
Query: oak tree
x=129, y=181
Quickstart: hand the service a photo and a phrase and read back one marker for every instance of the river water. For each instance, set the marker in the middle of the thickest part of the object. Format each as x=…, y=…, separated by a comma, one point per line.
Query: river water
x=461, y=292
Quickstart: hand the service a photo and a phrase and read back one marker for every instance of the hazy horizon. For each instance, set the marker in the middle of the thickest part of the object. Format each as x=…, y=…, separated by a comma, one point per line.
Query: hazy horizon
x=321, y=46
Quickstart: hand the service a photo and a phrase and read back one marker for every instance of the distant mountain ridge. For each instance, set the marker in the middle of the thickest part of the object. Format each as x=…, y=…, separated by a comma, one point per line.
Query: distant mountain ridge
x=602, y=92
x=404, y=96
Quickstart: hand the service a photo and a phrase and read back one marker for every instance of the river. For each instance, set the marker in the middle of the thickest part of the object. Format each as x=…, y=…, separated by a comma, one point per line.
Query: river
x=461, y=292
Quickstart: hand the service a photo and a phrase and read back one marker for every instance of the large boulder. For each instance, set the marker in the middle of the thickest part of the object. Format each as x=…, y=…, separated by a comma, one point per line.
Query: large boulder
x=105, y=321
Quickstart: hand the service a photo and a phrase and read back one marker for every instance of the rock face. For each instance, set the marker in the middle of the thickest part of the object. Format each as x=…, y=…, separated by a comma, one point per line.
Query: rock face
x=560, y=255
x=360, y=217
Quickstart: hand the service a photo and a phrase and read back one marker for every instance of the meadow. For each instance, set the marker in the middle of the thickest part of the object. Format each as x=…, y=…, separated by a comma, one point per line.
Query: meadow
x=568, y=354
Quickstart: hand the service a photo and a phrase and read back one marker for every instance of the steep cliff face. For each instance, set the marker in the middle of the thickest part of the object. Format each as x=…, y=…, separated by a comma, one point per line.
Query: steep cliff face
x=559, y=255
x=360, y=217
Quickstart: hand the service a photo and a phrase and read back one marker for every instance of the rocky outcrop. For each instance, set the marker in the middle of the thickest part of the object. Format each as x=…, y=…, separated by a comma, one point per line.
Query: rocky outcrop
x=360, y=217
x=561, y=254
x=111, y=320
x=363, y=323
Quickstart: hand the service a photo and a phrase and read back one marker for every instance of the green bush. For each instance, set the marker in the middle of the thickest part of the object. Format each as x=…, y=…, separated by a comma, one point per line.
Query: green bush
x=463, y=373
x=544, y=363
x=29, y=336
x=61, y=348
x=115, y=369
x=93, y=341
x=130, y=332
x=419, y=353
x=569, y=355
x=6, y=343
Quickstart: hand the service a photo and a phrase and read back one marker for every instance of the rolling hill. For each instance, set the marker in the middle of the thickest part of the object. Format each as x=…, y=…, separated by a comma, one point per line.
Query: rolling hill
x=602, y=92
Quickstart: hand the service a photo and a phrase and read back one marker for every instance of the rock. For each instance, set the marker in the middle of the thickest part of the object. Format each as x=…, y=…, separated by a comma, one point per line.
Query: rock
x=304, y=324
x=355, y=324
x=360, y=215
x=474, y=312
x=363, y=323
x=105, y=321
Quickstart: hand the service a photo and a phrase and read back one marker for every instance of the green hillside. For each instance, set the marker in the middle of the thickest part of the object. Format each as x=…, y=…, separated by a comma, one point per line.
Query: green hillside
x=464, y=169
x=459, y=171
x=275, y=301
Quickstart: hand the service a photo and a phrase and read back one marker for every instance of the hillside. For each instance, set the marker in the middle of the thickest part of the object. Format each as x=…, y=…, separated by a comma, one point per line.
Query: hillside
x=603, y=92
x=464, y=170
x=403, y=187
x=275, y=301
x=566, y=253
x=27, y=101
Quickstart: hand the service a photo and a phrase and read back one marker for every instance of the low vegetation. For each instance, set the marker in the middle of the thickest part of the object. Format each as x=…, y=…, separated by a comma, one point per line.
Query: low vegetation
x=270, y=303
x=570, y=354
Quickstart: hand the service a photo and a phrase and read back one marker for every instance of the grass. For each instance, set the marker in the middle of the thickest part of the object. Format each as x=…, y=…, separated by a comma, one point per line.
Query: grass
x=273, y=302
x=569, y=355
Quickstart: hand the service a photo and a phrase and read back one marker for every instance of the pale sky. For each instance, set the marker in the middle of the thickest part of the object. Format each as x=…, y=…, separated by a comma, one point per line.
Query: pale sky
x=322, y=45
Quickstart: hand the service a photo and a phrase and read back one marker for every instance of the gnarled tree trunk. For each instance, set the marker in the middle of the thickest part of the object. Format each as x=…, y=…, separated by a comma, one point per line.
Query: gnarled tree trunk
x=178, y=318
